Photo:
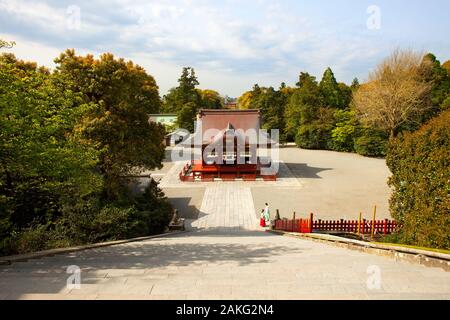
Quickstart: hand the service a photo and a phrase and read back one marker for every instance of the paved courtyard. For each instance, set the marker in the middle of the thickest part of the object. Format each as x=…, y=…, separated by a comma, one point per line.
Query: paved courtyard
x=225, y=255
x=332, y=185
x=223, y=265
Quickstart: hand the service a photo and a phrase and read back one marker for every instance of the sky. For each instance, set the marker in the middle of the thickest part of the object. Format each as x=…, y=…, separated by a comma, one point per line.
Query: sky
x=232, y=44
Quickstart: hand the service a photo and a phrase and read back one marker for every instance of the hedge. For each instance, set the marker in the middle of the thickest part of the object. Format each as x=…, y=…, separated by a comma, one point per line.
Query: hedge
x=420, y=166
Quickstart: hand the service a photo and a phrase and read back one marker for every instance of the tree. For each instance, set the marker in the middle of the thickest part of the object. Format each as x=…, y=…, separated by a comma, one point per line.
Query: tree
x=249, y=99
x=271, y=104
x=43, y=163
x=371, y=142
x=244, y=101
x=396, y=93
x=355, y=84
x=185, y=115
x=329, y=88
x=346, y=94
x=446, y=66
x=420, y=202
x=439, y=80
x=210, y=99
x=302, y=105
x=185, y=94
x=6, y=44
x=125, y=94
x=345, y=131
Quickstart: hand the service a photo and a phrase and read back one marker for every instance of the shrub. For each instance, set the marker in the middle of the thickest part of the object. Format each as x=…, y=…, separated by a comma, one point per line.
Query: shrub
x=90, y=221
x=153, y=212
x=314, y=136
x=345, y=131
x=420, y=162
x=32, y=239
x=371, y=143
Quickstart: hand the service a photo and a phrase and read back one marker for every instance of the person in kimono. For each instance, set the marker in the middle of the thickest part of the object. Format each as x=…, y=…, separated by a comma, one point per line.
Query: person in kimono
x=267, y=214
x=262, y=219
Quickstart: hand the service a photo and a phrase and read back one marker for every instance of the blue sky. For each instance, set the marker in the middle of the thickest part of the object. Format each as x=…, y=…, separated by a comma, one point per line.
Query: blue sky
x=232, y=44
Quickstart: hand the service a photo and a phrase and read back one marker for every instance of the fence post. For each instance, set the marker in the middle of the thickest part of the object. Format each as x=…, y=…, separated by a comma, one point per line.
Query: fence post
x=385, y=226
x=372, y=231
x=359, y=223
x=311, y=218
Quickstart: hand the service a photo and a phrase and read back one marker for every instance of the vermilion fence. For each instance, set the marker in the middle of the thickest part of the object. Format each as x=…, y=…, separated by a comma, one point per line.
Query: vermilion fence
x=310, y=225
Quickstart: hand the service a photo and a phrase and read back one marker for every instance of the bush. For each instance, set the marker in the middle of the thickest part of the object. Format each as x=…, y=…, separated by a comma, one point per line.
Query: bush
x=147, y=214
x=420, y=162
x=32, y=239
x=372, y=143
x=314, y=136
x=345, y=131
x=153, y=213
x=90, y=221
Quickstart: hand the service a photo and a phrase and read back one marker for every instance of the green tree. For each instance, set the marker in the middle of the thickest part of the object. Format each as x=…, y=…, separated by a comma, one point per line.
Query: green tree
x=439, y=79
x=420, y=202
x=185, y=115
x=125, y=94
x=184, y=100
x=355, y=84
x=329, y=88
x=271, y=104
x=43, y=163
x=303, y=104
x=345, y=131
x=371, y=142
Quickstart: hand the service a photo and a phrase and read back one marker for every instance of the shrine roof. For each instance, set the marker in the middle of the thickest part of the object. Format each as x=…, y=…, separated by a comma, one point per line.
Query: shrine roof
x=220, y=119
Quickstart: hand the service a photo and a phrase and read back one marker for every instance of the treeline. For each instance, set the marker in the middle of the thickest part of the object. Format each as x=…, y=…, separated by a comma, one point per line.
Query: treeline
x=186, y=100
x=402, y=111
x=69, y=140
x=332, y=115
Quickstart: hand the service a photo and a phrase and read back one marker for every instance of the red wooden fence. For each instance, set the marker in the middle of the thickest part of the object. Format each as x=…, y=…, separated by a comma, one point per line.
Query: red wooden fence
x=385, y=226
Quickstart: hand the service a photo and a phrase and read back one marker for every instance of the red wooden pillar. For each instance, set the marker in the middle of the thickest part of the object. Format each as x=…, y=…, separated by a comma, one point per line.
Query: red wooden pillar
x=311, y=222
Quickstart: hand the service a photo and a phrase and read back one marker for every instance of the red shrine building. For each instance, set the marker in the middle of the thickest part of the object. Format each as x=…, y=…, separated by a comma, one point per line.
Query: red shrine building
x=225, y=147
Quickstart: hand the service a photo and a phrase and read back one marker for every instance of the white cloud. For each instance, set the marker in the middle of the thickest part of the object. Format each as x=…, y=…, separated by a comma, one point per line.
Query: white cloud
x=232, y=45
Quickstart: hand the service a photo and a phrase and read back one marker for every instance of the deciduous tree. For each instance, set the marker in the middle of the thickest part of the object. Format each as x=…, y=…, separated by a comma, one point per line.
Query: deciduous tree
x=125, y=94
x=395, y=94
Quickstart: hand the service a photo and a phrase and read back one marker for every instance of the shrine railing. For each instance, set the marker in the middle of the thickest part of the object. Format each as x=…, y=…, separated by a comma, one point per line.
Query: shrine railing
x=363, y=226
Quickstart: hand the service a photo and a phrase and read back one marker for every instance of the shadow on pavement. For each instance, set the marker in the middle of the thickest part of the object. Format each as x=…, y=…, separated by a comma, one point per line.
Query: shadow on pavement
x=302, y=170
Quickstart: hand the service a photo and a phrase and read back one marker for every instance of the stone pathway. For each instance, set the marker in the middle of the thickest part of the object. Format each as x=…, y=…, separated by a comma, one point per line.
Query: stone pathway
x=226, y=207
x=226, y=256
x=214, y=265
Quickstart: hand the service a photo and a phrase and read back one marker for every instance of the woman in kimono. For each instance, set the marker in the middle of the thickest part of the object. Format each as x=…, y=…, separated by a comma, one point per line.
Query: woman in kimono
x=262, y=219
x=267, y=215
